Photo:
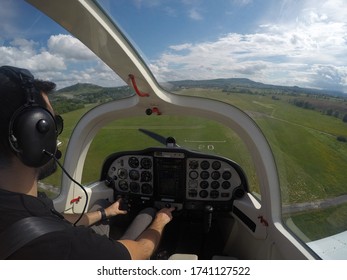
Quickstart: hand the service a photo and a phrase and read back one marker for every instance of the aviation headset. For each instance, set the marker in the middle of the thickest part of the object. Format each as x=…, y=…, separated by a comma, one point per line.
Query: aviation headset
x=33, y=130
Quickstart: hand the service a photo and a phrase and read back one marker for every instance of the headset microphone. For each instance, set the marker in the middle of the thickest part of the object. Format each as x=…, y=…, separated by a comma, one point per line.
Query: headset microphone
x=58, y=154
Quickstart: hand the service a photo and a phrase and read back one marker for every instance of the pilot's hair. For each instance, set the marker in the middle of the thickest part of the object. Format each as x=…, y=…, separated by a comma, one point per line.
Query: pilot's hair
x=12, y=97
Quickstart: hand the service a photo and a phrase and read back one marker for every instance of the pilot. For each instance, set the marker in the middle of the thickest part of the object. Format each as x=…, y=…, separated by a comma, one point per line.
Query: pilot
x=29, y=130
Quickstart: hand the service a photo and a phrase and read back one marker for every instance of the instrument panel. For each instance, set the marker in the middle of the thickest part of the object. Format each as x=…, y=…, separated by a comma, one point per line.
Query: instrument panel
x=175, y=177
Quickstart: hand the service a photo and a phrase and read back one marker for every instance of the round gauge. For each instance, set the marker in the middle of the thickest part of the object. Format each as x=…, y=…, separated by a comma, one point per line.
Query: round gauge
x=146, y=188
x=133, y=162
x=123, y=186
x=226, y=185
x=134, y=187
x=203, y=193
x=193, y=184
x=215, y=185
x=205, y=165
x=193, y=175
x=122, y=173
x=204, y=184
x=193, y=164
x=146, y=163
x=146, y=176
x=134, y=175
x=204, y=175
x=215, y=175
x=226, y=175
x=216, y=165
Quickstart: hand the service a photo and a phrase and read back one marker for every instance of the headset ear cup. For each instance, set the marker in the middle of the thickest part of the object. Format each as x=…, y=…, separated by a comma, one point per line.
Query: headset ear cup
x=33, y=131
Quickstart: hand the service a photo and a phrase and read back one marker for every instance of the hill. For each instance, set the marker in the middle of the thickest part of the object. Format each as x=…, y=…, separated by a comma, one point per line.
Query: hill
x=77, y=96
x=244, y=85
x=80, y=88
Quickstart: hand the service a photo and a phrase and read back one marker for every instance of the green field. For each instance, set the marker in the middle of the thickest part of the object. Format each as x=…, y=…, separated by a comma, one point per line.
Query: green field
x=190, y=132
x=193, y=133
x=312, y=164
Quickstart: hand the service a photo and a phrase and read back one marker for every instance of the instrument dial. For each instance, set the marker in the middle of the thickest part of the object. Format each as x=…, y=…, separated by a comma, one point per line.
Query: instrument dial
x=205, y=165
x=134, y=175
x=146, y=176
x=133, y=162
x=216, y=165
x=146, y=163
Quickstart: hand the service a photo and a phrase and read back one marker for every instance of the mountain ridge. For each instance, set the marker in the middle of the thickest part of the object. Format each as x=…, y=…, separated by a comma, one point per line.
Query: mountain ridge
x=227, y=84
x=245, y=83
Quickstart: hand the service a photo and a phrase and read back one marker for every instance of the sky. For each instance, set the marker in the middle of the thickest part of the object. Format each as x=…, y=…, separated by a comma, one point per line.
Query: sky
x=283, y=42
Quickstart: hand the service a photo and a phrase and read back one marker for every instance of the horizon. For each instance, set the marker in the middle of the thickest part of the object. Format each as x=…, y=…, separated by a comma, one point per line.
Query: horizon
x=320, y=91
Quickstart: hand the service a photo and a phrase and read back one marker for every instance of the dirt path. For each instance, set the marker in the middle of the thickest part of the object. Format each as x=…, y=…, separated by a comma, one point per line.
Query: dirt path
x=319, y=204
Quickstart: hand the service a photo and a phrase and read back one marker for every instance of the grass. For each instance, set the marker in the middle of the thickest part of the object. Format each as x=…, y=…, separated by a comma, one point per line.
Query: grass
x=319, y=224
x=312, y=164
x=188, y=132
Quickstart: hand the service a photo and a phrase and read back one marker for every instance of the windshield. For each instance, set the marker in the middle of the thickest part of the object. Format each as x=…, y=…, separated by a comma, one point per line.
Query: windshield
x=284, y=64
x=281, y=62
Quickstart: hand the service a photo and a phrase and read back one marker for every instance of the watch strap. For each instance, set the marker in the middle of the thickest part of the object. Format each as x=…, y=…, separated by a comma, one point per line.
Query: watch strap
x=103, y=213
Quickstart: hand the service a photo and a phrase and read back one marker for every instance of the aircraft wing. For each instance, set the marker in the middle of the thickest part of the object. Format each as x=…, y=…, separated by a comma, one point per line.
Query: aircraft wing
x=332, y=247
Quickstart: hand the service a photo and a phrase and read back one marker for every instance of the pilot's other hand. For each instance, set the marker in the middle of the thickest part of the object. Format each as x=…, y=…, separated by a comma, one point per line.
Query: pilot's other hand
x=164, y=215
x=114, y=209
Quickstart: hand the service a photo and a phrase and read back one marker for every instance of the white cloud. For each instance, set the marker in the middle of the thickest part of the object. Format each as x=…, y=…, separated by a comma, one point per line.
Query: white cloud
x=24, y=53
x=69, y=47
x=180, y=47
x=306, y=50
x=65, y=61
x=329, y=76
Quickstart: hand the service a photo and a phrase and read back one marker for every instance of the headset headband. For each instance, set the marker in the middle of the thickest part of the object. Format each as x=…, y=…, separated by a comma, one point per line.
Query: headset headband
x=24, y=78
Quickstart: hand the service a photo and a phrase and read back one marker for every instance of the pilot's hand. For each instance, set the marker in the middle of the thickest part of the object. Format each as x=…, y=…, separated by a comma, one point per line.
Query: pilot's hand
x=114, y=209
x=164, y=215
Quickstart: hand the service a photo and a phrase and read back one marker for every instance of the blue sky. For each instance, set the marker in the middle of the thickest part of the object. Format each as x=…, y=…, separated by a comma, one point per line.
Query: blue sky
x=176, y=22
x=290, y=42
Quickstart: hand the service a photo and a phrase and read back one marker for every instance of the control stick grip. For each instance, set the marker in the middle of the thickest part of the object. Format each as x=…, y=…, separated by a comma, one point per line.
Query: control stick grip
x=124, y=203
x=208, y=217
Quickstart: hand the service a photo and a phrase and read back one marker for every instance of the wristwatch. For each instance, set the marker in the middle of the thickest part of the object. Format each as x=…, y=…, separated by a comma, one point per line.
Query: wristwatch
x=103, y=213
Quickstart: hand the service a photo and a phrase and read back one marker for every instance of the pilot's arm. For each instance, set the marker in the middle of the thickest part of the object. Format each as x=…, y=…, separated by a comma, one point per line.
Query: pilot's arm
x=91, y=218
x=144, y=246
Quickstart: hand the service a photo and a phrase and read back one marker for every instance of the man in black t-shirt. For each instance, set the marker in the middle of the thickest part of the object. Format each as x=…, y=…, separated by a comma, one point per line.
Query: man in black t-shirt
x=29, y=130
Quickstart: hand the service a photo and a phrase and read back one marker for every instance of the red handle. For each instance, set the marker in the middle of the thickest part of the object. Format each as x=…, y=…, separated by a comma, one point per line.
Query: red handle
x=139, y=93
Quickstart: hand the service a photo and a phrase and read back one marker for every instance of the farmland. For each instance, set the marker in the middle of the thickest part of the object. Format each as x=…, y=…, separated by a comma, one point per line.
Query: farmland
x=311, y=160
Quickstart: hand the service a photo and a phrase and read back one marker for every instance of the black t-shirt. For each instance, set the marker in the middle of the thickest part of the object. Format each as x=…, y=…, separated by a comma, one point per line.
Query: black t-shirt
x=75, y=243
